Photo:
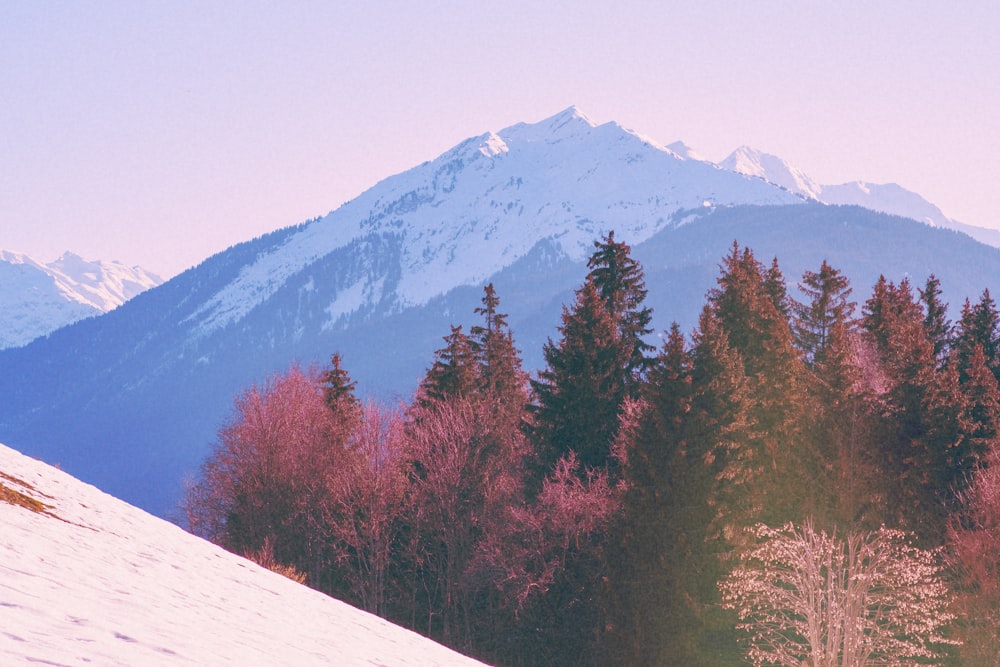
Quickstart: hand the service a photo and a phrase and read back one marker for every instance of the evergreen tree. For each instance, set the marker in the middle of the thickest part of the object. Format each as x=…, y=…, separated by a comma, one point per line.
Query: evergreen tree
x=978, y=325
x=599, y=361
x=454, y=373
x=722, y=483
x=492, y=342
x=843, y=431
x=619, y=280
x=935, y=321
x=980, y=421
x=827, y=292
x=690, y=475
x=746, y=307
x=922, y=409
x=646, y=552
x=774, y=285
x=579, y=392
x=338, y=390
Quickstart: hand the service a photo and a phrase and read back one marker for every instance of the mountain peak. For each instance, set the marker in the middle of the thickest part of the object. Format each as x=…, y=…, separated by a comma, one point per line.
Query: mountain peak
x=567, y=123
x=37, y=298
x=572, y=113
x=752, y=162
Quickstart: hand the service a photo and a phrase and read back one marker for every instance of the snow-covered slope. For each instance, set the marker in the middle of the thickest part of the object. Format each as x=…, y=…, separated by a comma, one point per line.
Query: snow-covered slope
x=37, y=298
x=86, y=579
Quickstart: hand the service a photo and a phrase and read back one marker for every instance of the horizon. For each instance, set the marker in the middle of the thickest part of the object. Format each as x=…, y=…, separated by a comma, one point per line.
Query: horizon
x=159, y=136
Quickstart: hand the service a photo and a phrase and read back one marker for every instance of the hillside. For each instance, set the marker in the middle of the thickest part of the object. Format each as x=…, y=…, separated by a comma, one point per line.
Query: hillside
x=88, y=579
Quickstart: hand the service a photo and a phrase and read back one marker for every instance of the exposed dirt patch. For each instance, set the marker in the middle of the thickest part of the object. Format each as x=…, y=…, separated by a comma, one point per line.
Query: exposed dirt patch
x=9, y=493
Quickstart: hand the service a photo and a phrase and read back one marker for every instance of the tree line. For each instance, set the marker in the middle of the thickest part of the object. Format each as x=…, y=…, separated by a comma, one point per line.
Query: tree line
x=633, y=504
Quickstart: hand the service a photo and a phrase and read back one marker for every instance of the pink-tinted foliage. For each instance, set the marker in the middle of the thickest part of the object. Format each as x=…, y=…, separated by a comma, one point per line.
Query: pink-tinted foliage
x=974, y=546
x=362, y=517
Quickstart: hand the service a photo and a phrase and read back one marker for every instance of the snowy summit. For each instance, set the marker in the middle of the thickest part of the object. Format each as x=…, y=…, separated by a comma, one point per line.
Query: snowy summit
x=37, y=298
x=89, y=580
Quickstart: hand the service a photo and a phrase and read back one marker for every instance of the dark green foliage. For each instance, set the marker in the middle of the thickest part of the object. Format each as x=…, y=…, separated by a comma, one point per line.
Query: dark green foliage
x=827, y=293
x=620, y=281
x=579, y=392
x=338, y=388
x=599, y=361
x=501, y=380
x=454, y=372
x=921, y=407
x=935, y=317
x=978, y=326
x=747, y=308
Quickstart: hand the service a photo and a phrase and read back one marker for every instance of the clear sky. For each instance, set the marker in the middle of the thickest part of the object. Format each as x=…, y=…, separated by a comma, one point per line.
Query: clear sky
x=158, y=133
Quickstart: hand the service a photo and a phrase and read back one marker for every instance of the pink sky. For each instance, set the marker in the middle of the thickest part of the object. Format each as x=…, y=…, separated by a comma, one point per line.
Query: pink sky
x=158, y=135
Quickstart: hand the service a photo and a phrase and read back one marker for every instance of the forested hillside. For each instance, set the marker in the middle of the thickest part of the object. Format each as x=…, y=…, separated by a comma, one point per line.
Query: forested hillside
x=803, y=478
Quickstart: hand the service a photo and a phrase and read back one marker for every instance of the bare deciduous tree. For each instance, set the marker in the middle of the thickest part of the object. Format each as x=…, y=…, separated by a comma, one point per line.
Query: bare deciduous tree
x=807, y=598
x=974, y=546
x=367, y=496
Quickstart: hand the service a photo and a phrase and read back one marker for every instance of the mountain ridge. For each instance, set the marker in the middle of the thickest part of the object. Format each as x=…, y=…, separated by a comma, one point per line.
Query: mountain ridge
x=37, y=298
x=890, y=198
x=132, y=400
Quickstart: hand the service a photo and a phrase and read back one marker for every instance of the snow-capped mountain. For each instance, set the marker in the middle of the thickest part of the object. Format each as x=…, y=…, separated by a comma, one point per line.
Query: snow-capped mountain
x=749, y=161
x=88, y=579
x=883, y=197
x=485, y=204
x=132, y=400
x=37, y=298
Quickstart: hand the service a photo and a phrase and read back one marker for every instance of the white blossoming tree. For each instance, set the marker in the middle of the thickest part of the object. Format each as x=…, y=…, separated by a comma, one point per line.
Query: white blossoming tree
x=807, y=598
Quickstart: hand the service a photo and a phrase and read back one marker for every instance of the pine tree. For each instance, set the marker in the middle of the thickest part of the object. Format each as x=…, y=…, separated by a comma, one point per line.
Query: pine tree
x=338, y=390
x=454, y=372
x=827, y=292
x=599, y=361
x=746, y=307
x=935, y=317
x=579, y=392
x=922, y=409
x=499, y=362
x=843, y=432
x=978, y=325
x=980, y=421
x=647, y=554
x=621, y=284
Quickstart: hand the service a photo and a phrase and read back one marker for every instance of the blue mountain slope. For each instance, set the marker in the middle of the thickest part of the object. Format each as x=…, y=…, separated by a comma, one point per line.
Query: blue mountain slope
x=139, y=401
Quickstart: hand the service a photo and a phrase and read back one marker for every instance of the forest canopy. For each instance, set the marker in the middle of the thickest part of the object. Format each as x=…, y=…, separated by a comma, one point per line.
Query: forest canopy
x=635, y=504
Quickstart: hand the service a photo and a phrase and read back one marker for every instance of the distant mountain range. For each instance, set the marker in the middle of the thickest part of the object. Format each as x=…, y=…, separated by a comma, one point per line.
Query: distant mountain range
x=883, y=197
x=131, y=401
x=36, y=298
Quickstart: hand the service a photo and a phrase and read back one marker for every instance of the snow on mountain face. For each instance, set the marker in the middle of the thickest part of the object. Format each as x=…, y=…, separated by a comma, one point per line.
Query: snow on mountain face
x=105, y=285
x=752, y=162
x=683, y=150
x=882, y=197
x=486, y=202
x=886, y=198
x=36, y=298
x=88, y=579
